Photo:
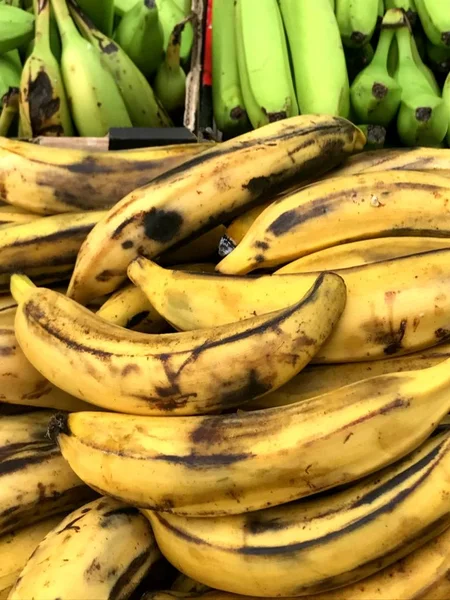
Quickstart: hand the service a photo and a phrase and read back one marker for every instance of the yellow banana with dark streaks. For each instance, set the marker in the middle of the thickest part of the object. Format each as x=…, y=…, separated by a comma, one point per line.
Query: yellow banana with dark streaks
x=171, y=374
x=393, y=307
x=100, y=551
x=57, y=180
x=234, y=463
x=36, y=481
x=208, y=190
x=310, y=547
x=342, y=210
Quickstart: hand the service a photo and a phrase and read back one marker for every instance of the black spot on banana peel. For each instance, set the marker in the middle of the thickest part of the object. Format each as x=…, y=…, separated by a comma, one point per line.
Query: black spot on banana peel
x=176, y=373
x=260, y=548
x=207, y=190
x=43, y=106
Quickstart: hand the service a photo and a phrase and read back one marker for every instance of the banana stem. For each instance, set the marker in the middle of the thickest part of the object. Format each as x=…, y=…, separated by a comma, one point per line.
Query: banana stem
x=85, y=24
x=404, y=43
x=383, y=47
x=173, y=48
x=66, y=25
x=42, y=24
x=10, y=102
x=21, y=286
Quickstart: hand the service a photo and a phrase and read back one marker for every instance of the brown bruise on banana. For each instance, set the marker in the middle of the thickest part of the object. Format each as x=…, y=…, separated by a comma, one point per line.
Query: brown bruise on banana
x=43, y=106
x=166, y=227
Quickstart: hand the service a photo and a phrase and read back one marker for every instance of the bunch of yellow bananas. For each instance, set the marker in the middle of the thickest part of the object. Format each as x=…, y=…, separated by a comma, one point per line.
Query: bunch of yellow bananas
x=218, y=445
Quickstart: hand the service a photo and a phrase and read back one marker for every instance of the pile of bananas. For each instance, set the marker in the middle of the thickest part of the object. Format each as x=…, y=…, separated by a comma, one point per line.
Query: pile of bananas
x=382, y=63
x=70, y=67
x=173, y=427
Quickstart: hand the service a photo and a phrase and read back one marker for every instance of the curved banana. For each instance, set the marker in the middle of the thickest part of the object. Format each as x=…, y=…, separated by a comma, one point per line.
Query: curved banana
x=12, y=215
x=357, y=20
x=234, y=463
x=371, y=205
x=175, y=374
x=130, y=308
x=421, y=575
x=178, y=205
x=47, y=242
x=16, y=548
x=435, y=18
x=36, y=481
x=433, y=160
x=101, y=550
x=365, y=252
x=393, y=307
x=237, y=229
x=321, y=379
x=53, y=180
x=338, y=539
x=20, y=382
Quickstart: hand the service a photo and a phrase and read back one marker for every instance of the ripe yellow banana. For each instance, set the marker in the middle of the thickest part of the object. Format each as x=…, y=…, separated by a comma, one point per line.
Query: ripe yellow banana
x=340, y=210
x=100, y=551
x=421, y=575
x=318, y=545
x=320, y=379
x=13, y=215
x=237, y=229
x=202, y=248
x=175, y=374
x=8, y=307
x=433, y=160
x=129, y=307
x=393, y=307
x=16, y=548
x=21, y=383
x=48, y=242
x=234, y=463
x=54, y=180
x=365, y=252
x=179, y=204
x=36, y=481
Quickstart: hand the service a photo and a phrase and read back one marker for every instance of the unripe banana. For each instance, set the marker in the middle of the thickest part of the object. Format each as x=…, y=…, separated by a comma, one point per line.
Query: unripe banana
x=170, y=79
x=435, y=18
x=101, y=550
x=16, y=28
x=159, y=375
x=173, y=207
x=101, y=12
x=357, y=20
x=169, y=15
x=36, y=481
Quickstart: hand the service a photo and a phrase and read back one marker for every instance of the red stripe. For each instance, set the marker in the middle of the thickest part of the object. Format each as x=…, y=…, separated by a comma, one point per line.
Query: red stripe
x=207, y=64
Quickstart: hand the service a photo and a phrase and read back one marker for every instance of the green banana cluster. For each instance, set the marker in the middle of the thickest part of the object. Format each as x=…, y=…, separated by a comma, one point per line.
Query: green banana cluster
x=86, y=66
x=381, y=63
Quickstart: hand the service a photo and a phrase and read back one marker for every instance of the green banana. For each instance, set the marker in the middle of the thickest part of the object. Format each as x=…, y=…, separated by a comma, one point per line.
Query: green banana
x=228, y=103
x=426, y=71
x=44, y=108
x=169, y=15
x=375, y=135
x=123, y=6
x=170, y=80
x=184, y=6
x=10, y=109
x=10, y=70
x=16, y=27
x=439, y=57
x=435, y=18
x=95, y=100
x=357, y=20
x=144, y=108
x=55, y=40
x=408, y=6
x=101, y=12
x=446, y=99
x=317, y=55
x=140, y=34
x=375, y=95
x=264, y=70
x=421, y=119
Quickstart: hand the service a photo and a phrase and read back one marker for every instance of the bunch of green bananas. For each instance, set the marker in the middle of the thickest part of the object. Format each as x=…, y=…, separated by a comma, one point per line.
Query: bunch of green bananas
x=394, y=53
x=84, y=67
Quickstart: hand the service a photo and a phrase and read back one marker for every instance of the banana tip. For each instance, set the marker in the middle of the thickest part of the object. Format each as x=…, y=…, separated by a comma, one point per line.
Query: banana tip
x=58, y=424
